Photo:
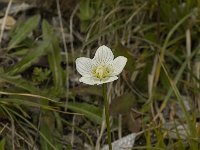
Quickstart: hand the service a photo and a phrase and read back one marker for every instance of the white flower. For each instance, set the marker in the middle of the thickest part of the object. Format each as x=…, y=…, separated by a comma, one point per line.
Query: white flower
x=102, y=68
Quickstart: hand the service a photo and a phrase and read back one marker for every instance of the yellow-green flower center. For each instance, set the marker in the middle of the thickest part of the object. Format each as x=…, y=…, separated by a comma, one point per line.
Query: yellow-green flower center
x=101, y=71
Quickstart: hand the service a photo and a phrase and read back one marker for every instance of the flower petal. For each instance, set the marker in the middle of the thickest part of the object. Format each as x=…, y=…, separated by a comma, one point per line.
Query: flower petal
x=84, y=66
x=103, y=55
x=118, y=65
x=109, y=79
x=88, y=80
x=93, y=80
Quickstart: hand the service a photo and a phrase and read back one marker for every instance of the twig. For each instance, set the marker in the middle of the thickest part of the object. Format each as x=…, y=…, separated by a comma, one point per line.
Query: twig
x=38, y=128
x=4, y=21
x=103, y=127
x=17, y=134
x=71, y=35
x=73, y=67
x=66, y=54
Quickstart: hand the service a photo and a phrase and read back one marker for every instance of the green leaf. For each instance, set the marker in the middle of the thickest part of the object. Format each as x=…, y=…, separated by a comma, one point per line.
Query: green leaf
x=90, y=111
x=86, y=11
x=87, y=90
x=32, y=57
x=18, y=82
x=25, y=102
x=54, y=56
x=2, y=144
x=48, y=129
x=23, y=31
x=122, y=104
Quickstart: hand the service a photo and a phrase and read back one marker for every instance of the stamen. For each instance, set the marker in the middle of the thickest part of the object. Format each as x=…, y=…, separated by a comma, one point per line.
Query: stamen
x=101, y=71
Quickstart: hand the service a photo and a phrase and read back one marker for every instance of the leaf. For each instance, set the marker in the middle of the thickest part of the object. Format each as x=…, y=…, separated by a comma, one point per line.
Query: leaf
x=2, y=144
x=90, y=111
x=19, y=83
x=86, y=11
x=54, y=55
x=26, y=102
x=87, y=90
x=122, y=104
x=29, y=59
x=48, y=129
x=23, y=31
x=134, y=125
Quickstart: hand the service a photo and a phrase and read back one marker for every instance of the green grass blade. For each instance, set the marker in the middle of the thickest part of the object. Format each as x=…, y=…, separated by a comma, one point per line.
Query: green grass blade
x=90, y=111
x=30, y=124
x=24, y=30
x=48, y=132
x=26, y=102
x=32, y=57
x=191, y=124
x=54, y=56
x=18, y=82
x=177, y=78
x=2, y=144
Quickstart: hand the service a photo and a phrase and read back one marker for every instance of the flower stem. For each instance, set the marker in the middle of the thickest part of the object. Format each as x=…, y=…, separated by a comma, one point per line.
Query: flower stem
x=106, y=104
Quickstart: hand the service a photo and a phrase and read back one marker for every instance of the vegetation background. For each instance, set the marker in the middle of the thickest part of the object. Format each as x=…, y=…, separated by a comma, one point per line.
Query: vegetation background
x=44, y=106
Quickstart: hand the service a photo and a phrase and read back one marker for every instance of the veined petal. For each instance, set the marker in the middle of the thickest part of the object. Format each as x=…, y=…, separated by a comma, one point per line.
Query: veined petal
x=84, y=66
x=88, y=80
x=109, y=79
x=103, y=55
x=93, y=80
x=118, y=65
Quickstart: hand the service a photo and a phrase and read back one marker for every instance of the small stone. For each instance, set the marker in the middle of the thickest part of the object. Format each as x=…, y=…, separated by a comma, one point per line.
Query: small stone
x=125, y=142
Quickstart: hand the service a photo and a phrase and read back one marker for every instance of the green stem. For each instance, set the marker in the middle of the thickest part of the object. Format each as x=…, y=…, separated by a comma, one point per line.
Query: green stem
x=106, y=104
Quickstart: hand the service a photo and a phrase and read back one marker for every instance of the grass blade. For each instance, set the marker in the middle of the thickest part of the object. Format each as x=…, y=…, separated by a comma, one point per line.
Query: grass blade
x=24, y=30
x=54, y=56
x=29, y=59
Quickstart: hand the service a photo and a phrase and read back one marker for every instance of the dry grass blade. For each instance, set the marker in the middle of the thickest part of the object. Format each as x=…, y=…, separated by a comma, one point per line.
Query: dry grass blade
x=4, y=20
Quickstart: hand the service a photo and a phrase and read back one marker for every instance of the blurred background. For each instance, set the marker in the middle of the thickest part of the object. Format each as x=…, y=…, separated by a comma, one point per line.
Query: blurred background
x=154, y=104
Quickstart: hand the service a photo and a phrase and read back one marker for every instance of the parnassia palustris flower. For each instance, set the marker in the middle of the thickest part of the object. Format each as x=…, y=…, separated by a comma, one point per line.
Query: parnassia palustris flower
x=102, y=68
